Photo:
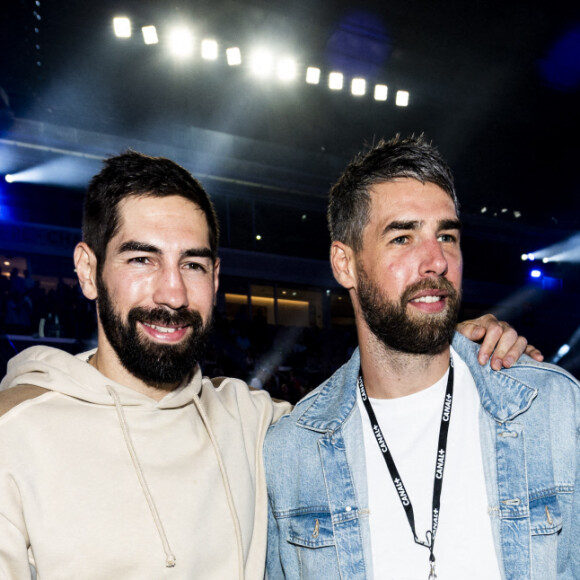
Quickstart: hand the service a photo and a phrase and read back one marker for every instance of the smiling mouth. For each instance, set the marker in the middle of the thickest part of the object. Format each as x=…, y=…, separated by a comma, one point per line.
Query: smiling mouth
x=164, y=329
x=428, y=299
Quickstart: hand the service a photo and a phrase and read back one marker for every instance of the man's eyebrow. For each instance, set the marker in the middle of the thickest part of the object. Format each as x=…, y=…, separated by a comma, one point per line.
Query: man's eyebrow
x=401, y=225
x=450, y=225
x=395, y=226
x=197, y=253
x=133, y=246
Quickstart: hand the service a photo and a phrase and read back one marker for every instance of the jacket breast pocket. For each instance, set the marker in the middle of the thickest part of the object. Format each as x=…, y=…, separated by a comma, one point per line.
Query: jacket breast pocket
x=312, y=536
x=545, y=515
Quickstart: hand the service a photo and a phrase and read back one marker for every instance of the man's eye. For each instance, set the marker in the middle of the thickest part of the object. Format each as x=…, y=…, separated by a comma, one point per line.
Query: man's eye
x=196, y=266
x=447, y=238
x=139, y=260
x=400, y=240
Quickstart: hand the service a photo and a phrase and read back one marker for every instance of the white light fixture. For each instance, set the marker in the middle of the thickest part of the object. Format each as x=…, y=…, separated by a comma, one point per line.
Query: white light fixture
x=234, y=56
x=358, y=87
x=258, y=237
x=381, y=92
x=209, y=49
x=181, y=42
x=261, y=63
x=524, y=257
x=149, y=35
x=312, y=75
x=122, y=27
x=402, y=98
x=9, y=178
x=335, y=81
x=287, y=69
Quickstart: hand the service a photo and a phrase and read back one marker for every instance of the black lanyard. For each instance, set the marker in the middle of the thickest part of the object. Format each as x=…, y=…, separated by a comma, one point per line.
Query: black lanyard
x=439, y=466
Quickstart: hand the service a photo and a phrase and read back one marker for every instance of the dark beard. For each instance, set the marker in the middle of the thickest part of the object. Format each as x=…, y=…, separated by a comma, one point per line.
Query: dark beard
x=163, y=366
x=390, y=323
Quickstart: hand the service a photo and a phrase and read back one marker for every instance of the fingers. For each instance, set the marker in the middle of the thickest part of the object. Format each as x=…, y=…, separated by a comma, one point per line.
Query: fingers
x=508, y=350
x=535, y=353
x=471, y=330
x=498, y=340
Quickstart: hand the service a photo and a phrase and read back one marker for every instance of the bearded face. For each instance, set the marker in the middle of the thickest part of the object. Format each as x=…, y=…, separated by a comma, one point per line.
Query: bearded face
x=404, y=331
x=163, y=366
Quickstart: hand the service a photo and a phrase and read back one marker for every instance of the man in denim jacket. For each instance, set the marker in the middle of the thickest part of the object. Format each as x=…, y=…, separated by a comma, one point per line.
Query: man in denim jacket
x=413, y=461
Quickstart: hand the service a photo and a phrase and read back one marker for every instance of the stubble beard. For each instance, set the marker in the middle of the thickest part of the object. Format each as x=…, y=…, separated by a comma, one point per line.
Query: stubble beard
x=390, y=322
x=162, y=366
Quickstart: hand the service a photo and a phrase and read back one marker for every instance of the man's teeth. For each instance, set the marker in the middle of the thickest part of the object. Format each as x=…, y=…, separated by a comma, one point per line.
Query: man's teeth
x=161, y=328
x=428, y=299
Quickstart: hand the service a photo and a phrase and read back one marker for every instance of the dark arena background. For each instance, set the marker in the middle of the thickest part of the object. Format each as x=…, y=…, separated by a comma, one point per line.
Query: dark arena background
x=265, y=102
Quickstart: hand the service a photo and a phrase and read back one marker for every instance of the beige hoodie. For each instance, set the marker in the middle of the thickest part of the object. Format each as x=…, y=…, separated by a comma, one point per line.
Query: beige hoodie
x=99, y=481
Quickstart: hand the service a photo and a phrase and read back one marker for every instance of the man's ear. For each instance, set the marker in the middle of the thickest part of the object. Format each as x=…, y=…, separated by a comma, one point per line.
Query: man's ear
x=343, y=262
x=216, y=275
x=86, y=267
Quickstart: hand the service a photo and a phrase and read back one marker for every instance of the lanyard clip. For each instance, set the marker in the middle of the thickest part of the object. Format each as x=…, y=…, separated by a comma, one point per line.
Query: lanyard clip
x=432, y=575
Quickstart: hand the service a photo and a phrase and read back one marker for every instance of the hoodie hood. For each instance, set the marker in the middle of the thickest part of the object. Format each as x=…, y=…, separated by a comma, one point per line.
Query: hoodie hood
x=58, y=371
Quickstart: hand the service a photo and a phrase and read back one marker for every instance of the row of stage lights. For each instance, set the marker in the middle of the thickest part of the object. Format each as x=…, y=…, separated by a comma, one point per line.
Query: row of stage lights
x=261, y=62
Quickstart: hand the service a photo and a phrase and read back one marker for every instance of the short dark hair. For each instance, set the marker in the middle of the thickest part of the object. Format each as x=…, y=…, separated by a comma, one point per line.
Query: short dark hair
x=350, y=201
x=134, y=174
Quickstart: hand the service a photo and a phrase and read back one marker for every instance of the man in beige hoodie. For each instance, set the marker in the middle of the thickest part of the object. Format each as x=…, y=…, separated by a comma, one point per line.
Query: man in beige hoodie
x=124, y=462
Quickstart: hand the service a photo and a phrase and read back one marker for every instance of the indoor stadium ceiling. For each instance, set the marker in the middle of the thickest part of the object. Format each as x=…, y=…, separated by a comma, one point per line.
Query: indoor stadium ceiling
x=494, y=84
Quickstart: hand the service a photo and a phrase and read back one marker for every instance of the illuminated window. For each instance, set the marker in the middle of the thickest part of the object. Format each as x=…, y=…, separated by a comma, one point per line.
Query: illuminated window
x=234, y=56
x=149, y=35
x=122, y=27
x=181, y=42
x=261, y=63
x=335, y=81
x=209, y=49
x=402, y=98
x=381, y=92
x=287, y=69
x=312, y=75
x=358, y=87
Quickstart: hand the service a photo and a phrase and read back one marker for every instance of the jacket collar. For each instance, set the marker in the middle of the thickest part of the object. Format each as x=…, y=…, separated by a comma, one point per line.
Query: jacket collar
x=503, y=395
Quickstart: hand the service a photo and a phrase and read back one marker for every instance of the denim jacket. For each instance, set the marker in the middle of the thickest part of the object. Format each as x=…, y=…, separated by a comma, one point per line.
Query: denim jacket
x=529, y=426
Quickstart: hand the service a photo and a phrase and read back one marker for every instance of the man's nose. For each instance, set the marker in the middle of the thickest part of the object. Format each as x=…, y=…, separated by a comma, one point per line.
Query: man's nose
x=434, y=261
x=170, y=289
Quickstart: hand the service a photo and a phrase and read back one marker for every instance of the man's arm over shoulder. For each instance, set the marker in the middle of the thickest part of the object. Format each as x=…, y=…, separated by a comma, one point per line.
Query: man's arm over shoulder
x=11, y=398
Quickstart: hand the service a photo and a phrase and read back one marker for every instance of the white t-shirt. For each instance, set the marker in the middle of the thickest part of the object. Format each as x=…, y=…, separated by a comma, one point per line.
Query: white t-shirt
x=464, y=545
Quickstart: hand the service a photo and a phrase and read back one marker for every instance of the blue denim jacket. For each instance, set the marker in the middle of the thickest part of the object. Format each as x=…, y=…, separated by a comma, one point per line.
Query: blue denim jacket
x=529, y=423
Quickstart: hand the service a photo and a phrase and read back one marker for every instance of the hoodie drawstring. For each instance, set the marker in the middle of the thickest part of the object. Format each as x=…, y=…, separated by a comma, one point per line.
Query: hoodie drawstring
x=228, y=490
x=169, y=556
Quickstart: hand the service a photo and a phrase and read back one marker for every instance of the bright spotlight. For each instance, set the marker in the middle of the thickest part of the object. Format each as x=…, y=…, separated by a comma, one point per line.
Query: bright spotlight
x=535, y=273
x=563, y=350
x=209, y=49
x=181, y=42
x=9, y=178
x=335, y=81
x=234, y=56
x=312, y=75
x=358, y=87
x=531, y=257
x=524, y=257
x=261, y=63
x=122, y=27
x=545, y=260
x=149, y=35
x=402, y=98
x=287, y=69
x=381, y=92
